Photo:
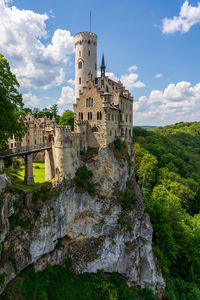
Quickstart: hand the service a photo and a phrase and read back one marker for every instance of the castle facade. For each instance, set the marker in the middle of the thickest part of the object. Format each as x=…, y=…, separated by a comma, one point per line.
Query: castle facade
x=103, y=108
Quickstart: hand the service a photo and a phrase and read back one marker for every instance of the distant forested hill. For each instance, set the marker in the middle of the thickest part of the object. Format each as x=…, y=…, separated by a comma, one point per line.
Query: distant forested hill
x=147, y=127
x=167, y=165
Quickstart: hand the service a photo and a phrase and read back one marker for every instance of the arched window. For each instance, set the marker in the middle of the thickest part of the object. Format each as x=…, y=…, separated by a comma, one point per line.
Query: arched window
x=81, y=116
x=89, y=42
x=92, y=102
x=80, y=65
x=97, y=115
x=122, y=131
x=79, y=80
x=94, y=129
x=89, y=101
x=126, y=132
x=90, y=115
x=100, y=115
x=88, y=52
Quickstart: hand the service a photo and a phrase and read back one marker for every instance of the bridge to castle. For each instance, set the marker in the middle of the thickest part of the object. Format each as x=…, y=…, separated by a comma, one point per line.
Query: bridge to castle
x=28, y=153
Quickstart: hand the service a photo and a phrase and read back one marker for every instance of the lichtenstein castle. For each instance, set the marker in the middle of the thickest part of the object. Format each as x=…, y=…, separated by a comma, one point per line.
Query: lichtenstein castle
x=103, y=112
x=103, y=108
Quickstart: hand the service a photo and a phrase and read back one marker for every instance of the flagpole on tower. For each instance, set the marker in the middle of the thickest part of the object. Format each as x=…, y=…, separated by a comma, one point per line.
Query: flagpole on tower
x=90, y=21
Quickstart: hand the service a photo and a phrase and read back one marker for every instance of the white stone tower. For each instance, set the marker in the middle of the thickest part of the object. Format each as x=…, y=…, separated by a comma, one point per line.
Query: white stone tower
x=85, y=59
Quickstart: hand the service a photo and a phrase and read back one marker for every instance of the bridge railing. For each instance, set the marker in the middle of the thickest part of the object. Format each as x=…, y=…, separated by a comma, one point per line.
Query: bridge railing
x=24, y=149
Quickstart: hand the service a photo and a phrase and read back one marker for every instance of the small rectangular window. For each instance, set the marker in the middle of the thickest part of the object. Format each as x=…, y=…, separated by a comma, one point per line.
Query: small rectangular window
x=88, y=52
x=79, y=80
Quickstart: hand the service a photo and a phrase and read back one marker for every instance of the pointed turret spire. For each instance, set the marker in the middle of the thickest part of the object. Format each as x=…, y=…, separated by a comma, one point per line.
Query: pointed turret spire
x=103, y=67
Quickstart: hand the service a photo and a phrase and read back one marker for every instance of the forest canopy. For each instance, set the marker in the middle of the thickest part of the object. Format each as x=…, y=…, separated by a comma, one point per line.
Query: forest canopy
x=167, y=165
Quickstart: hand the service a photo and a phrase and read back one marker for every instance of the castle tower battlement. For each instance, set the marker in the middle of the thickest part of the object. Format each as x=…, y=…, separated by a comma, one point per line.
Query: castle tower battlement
x=85, y=59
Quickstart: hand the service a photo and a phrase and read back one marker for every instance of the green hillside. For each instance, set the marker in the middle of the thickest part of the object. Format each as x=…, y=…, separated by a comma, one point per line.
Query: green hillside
x=167, y=165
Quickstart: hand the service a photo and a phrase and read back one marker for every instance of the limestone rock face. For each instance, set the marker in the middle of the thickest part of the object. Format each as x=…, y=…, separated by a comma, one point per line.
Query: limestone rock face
x=88, y=227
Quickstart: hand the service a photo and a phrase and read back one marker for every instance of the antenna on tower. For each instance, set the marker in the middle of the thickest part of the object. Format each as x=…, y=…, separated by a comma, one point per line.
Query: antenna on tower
x=90, y=21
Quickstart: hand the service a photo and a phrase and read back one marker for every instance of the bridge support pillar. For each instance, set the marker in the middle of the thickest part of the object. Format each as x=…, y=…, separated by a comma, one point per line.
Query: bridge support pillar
x=28, y=178
x=49, y=165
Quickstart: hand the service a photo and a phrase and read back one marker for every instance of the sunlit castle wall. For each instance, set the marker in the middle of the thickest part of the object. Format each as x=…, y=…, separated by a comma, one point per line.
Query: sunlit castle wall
x=85, y=59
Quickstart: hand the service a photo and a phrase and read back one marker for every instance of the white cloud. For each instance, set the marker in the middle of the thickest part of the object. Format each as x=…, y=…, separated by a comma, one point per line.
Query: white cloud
x=71, y=81
x=30, y=100
x=130, y=81
x=37, y=64
x=159, y=75
x=67, y=98
x=188, y=16
x=132, y=69
x=178, y=102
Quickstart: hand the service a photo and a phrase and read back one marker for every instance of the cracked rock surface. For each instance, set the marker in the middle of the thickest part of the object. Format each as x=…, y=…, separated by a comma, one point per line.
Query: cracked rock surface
x=81, y=227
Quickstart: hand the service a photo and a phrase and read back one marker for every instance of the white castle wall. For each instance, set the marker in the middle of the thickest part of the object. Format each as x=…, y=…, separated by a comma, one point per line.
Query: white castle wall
x=85, y=52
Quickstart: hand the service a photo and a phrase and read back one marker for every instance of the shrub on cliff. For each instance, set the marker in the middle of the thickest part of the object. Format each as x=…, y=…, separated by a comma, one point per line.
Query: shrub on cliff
x=119, y=149
x=82, y=180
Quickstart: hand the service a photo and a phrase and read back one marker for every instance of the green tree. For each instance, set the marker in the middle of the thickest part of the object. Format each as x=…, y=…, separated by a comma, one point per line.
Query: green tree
x=35, y=112
x=10, y=105
x=54, y=109
x=67, y=118
x=147, y=173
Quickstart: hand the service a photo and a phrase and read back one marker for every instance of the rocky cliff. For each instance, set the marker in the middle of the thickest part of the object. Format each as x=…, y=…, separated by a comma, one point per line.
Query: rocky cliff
x=96, y=231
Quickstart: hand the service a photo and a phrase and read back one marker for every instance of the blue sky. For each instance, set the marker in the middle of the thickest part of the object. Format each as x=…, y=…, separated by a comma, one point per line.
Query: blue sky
x=158, y=39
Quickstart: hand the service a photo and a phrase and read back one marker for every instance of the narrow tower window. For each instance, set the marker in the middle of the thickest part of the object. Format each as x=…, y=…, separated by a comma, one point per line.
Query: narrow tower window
x=88, y=52
x=80, y=65
x=100, y=115
x=97, y=115
x=90, y=115
x=79, y=80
